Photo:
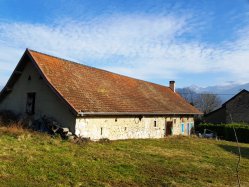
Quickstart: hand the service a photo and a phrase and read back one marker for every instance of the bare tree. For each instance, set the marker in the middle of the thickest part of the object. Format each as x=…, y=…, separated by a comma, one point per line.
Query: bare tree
x=188, y=94
x=207, y=102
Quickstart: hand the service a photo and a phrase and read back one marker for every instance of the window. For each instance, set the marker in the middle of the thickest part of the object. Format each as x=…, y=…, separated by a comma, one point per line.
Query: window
x=125, y=128
x=154, y=123
x=174, y=121
x=116, y=119
x=30, y=105
x=101, y=131
x=29, y=77
x=182, y=127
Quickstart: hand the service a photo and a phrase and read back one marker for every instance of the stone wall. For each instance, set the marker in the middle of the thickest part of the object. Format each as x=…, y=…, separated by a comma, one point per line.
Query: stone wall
x=129, y=127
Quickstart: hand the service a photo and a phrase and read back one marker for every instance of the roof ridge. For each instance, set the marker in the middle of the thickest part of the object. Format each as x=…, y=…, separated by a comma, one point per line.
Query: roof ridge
x=77, y=63
x=70, y=61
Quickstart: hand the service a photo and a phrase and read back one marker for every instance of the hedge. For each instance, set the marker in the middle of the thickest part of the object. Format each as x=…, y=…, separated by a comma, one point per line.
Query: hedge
x=225, y=131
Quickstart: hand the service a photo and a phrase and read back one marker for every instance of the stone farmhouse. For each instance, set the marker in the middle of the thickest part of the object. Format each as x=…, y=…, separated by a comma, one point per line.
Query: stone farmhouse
x=95, y=103
x=235, y=109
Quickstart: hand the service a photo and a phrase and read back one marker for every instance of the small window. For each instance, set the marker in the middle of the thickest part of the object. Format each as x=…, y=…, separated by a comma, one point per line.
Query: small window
x=154, y=123
x=125, y=128
x=116, y=119
x=174, y=121
x=182, y=127
x=101, y=131
x=29, y=78
x=30, y=105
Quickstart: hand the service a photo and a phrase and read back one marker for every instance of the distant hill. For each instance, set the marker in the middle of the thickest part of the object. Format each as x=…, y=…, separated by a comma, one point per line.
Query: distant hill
x=224, y=92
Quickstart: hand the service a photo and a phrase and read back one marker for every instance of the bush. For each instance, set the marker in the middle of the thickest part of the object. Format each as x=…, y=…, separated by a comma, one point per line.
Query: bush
x=226, y=132
x=8, y=117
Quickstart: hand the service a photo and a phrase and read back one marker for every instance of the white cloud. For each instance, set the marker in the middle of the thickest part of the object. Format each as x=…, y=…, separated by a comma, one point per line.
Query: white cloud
x=141, y=46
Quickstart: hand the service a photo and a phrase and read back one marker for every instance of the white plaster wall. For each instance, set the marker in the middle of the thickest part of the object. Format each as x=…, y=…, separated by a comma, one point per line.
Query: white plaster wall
x=47, y=103
x=127, y=127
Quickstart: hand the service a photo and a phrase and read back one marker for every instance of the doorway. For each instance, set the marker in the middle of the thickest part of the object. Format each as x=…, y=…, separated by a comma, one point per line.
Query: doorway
x=189, y=126
x=30, y=103
x=168, y=129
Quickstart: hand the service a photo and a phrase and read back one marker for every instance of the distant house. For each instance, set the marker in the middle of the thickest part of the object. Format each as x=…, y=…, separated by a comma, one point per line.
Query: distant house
x=95, y=103
x=235, y=109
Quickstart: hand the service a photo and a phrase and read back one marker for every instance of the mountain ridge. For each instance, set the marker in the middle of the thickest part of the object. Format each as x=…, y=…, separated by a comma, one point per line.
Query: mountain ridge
x=225, y=92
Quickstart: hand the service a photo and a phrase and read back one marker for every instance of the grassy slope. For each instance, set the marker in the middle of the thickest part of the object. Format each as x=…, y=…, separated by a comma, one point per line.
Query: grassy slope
x=32, y=159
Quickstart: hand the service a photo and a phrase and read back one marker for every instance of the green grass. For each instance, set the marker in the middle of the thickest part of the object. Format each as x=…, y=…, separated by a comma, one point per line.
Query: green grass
x=34, y=159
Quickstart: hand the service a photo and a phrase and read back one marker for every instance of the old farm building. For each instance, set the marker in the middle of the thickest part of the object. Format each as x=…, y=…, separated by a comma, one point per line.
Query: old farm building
x=235, y=109
x=94, y=103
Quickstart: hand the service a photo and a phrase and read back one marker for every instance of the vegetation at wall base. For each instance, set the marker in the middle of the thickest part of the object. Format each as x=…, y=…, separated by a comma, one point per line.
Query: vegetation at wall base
x=226, y=132
x=36, y=159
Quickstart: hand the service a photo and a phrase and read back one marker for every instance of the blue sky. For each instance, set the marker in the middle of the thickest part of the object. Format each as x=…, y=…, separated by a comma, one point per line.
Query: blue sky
x=193, y=42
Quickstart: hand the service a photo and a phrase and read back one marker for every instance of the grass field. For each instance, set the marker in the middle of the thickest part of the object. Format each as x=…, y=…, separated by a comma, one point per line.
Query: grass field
x=34, y=159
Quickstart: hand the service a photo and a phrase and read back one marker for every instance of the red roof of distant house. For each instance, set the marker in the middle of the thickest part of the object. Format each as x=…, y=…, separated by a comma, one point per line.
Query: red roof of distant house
x=94, y=91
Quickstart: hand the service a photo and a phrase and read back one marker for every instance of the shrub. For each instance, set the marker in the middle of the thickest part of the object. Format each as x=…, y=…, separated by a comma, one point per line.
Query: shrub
x=8, y=117
x=226, y=132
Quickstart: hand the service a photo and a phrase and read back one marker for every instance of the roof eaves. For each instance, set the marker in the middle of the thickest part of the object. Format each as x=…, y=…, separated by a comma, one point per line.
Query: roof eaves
x=4, y=89
x=216, y=110
x=82, y=114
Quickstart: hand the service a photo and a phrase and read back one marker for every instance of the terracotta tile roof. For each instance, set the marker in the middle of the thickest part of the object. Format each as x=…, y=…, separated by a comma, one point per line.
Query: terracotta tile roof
x=91, y=90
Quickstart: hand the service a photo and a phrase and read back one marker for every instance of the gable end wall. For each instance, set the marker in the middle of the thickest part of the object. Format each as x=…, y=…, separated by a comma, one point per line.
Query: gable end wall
x=47, y=103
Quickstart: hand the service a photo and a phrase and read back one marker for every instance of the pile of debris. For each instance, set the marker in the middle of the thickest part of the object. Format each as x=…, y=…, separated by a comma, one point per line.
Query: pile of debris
x=51, y=126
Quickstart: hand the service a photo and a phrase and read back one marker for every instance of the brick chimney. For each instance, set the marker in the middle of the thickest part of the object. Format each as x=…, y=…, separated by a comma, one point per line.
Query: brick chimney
x=172, y=85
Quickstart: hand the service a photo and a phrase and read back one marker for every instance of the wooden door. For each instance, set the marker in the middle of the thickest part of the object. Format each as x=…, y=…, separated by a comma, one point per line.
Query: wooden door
x=169, y=125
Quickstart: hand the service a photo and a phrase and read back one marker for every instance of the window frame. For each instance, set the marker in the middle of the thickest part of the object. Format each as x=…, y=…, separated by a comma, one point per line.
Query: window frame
x=30, y=103
x=182, y=128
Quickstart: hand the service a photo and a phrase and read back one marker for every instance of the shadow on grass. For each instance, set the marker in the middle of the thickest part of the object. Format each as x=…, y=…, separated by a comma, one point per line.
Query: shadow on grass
x=234, y=149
